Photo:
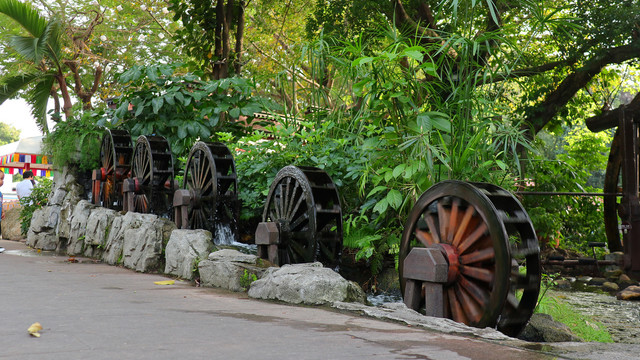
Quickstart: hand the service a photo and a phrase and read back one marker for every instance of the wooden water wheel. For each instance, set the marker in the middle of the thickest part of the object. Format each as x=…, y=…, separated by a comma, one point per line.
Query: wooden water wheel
x=492, y=253
x=305, y=205
x=115, y=165
x=210, y=190
x=151, y=180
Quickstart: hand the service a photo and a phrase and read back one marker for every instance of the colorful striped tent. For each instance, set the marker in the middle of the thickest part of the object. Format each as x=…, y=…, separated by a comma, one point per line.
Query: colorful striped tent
x=25, y=154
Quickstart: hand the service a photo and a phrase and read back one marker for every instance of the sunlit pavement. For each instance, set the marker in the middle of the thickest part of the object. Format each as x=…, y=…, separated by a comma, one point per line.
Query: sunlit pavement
x=95, y=311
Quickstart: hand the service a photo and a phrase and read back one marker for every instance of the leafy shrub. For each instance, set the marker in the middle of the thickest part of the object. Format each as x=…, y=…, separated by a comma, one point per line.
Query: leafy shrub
x=75, y=141
x=33, y=202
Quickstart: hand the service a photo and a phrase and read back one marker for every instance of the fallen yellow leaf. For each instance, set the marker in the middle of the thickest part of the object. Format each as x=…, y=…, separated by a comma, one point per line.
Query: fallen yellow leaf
x=165, y=282
x=34, y=328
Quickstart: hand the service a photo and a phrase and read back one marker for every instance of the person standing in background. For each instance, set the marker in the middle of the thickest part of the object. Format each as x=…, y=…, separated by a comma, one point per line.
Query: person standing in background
x=25, y=186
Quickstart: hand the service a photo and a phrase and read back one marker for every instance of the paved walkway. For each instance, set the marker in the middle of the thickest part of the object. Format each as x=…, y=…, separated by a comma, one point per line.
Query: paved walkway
x=97, y=311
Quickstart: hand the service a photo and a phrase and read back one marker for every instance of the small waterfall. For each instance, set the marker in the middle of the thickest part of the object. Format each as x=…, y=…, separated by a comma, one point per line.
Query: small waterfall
x=223, y=235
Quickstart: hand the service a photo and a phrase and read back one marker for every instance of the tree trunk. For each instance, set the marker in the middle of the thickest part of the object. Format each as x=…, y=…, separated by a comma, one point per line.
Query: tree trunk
x=217, y=68
x=237, y=64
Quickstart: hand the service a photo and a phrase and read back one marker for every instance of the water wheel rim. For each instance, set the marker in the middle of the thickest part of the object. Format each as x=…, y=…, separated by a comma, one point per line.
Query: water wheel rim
x=107, y=162
x=478, y=294
x=612, y=181
x=142, y=173
x=200, y=179
x=290, y=204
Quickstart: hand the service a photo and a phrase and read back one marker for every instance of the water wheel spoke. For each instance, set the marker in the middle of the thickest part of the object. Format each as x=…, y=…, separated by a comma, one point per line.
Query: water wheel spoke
x=453, y=220
x=294, y=208
x=431, y=224
x=455, y=307
x=470, y=307
x=300, y=251
x=478, y=256
x=478, y=273
x=462, y=228
x=443, y=219
x=425, y=238
x=480, y=295
x=303, y=218
x=474, y=237
x=287, y=200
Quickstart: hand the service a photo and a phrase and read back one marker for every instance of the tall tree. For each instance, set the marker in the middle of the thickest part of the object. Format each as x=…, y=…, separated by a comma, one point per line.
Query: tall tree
x=549, y=56
x=8, y=134
x=212, y=34
x=91, y=37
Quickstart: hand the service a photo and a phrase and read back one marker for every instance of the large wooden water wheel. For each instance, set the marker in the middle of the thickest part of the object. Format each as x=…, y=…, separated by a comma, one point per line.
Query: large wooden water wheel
x=151, y=180
x=304, y=204
x=210, y=190
x=613, y=185
x=115, y=164
x=490, y=246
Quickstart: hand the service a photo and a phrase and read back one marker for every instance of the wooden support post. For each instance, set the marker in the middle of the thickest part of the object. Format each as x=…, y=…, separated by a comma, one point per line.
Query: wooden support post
x=96, y=179
x=181, y=200
x=267, y=239
x=428, y=268
x=128, y=192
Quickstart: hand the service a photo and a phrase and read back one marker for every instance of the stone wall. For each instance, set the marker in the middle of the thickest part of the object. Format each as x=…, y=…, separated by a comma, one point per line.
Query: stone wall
x=71, y=225
x=147, y=243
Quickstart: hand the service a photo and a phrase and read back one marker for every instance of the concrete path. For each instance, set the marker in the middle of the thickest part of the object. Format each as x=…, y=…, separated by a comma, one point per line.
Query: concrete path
x=97, y=311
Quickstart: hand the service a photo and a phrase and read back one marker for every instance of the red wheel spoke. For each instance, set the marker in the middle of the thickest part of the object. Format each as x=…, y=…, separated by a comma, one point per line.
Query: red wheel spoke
x=477, y=273
x=424, y=237
x=456, y=309
x=462, y=229
x=470, y=308
x=472, y=238
x=477, y=293
x=478, y=256
x=429, y=219
x=453, y=220
x=443, y=218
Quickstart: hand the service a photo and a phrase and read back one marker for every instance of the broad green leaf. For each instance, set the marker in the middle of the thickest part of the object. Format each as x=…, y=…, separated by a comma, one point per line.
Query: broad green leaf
x=394, y=198
x=234, y=113
x=157, y=103
x=376, y=190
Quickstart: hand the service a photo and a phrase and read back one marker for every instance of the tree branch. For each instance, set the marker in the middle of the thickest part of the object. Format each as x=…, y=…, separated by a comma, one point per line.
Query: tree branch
x=609, y=119
x=542, y=113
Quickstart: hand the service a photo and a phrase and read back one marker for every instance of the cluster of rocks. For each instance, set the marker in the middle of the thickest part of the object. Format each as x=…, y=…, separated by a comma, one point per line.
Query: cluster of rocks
x=613, y=281
x=148, y=243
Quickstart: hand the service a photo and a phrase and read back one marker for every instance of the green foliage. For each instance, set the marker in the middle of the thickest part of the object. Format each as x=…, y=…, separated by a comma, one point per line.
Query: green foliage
x=182, y=107
x=33, y=202
x=569, y=221
x=75, y=141
x=580, y=324
x=8, y=134
x=247, y=278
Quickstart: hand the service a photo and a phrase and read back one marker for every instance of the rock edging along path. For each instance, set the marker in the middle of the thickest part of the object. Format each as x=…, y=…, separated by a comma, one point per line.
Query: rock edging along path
x=147, y=243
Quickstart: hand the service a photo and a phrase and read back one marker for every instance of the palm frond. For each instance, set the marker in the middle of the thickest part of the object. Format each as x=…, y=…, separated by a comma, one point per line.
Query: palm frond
x=38, y=99
x=24, y=14
x=9, y=86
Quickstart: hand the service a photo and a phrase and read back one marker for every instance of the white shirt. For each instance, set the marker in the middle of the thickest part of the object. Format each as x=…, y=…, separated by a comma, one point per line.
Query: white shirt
x=24, y=188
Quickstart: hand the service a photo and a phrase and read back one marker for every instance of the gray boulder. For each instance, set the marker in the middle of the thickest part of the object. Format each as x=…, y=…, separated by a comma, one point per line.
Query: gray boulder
x=114, y=243
x=542, y=328
x=11, y=227
x=79, y=219
x=97, y=231
x=142, y=248
x=309, y=284
x=186, y=248
x=41, y=233
x=230, y=269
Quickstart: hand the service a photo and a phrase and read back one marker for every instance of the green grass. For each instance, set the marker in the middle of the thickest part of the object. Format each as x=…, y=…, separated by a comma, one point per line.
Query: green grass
x=580, y=324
